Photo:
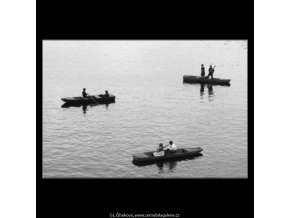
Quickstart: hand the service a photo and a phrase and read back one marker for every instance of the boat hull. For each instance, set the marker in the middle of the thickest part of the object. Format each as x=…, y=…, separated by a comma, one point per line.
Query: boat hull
x=180, y=153
x=100, y=99
x=205, y=80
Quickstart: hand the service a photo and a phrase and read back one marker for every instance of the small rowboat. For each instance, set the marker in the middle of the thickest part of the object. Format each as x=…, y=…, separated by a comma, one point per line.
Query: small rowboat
x=180, y=153
x=93, y=99
x=203, y=80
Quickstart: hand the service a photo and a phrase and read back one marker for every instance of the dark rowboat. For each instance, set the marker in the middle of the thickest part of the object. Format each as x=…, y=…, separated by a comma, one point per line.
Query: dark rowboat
x=93, y=99
x=203, y=80
x=180, y=153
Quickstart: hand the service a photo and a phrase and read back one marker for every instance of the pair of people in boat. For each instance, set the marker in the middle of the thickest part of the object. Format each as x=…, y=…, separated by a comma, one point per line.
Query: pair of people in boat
x=86, y=95
x=210, y=71
x=168, y=149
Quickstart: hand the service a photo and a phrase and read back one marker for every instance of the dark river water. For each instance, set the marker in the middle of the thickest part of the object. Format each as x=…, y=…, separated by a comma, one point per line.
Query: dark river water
x=152, y=106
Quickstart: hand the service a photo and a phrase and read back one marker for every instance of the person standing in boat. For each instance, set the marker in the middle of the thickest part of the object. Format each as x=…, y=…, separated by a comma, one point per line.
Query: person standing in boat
x=210, y=72
x=85, y=95
x=202, y=71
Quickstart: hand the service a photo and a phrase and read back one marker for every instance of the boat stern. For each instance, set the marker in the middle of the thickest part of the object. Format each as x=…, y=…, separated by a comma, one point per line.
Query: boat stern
x=66, y=99
x=137, y=157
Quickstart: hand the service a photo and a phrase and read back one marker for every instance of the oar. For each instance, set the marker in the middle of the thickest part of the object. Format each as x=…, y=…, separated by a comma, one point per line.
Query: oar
x=94, y=98
x=166, y=146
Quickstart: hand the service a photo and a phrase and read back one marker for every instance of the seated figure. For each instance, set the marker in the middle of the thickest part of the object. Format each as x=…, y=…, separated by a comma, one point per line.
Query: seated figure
x=159, y=151
x=85, y=95
x=160, y=148
x=106, y=94
x=171, y=148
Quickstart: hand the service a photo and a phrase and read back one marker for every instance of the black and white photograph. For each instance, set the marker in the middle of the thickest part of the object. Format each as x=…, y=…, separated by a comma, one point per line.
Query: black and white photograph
x=145, y=108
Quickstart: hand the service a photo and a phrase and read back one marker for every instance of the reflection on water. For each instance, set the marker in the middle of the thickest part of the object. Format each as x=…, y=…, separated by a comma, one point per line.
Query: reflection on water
x=168, y=166
x=210, y=91
x=84, y=107
x=201, y=91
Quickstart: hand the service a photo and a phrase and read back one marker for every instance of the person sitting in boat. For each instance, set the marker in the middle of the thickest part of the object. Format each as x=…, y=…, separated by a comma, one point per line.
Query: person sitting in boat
x=202, y=71
x=106, y=94
x=85, y=95
x=160, y=148
x=210, y=72
x=171, y=148
x=159, y=151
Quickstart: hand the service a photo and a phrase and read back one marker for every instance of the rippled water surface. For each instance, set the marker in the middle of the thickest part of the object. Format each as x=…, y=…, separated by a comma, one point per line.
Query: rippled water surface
x=152, y=106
